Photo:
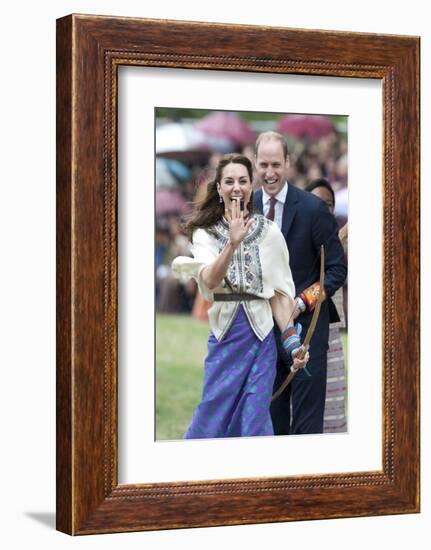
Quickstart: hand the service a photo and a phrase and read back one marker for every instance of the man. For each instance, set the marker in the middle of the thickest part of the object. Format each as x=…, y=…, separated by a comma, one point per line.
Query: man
x=306, y=224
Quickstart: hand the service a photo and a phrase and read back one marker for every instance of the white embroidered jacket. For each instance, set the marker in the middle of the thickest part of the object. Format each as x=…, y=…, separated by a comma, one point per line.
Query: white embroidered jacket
x=260, y=266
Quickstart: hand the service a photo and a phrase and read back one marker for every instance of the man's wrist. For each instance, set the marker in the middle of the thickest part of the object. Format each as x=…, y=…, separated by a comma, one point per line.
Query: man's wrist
x=300, y=306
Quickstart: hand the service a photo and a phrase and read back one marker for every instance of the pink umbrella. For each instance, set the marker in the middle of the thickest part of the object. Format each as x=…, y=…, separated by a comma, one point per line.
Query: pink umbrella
x=225, y=124
x=305, y=126
x=170, y=202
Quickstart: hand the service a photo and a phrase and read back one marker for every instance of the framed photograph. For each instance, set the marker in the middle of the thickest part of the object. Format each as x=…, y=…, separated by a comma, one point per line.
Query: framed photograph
x=120, y=465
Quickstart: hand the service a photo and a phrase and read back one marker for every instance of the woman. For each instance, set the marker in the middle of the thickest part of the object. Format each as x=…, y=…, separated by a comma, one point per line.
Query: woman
x=334, y=418
x=241, y=265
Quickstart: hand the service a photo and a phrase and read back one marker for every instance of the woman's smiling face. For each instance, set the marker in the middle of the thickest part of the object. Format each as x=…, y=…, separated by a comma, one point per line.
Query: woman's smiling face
x=235, y=184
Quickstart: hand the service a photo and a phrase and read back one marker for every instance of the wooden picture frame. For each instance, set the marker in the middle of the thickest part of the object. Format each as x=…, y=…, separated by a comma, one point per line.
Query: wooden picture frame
x=89, y=51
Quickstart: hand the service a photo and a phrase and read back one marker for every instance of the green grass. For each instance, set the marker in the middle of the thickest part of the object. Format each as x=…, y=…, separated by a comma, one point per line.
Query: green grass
x=181, y=346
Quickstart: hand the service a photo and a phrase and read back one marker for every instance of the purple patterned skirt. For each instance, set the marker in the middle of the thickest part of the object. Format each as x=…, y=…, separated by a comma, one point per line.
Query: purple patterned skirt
x=238, y=381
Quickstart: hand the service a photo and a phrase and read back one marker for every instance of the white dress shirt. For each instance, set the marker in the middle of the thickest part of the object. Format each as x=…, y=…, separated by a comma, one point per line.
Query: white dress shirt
x=259, y=266
x=279, y=205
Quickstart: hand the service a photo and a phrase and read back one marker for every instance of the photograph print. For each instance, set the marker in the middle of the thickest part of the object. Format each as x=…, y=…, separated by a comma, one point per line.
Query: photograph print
x=251, y=236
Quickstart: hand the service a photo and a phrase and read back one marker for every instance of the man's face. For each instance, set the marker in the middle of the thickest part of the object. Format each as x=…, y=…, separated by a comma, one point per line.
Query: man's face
x=271, y=166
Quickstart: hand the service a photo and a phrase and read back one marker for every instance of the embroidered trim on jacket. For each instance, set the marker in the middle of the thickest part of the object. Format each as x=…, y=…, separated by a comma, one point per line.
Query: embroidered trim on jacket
x=245, y=269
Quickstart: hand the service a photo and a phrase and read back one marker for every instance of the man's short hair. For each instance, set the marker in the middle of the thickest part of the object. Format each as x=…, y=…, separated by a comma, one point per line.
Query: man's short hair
x=272, y=136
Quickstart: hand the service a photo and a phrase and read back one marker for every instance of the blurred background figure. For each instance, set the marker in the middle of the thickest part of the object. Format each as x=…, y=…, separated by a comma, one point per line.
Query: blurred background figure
x=174, y=295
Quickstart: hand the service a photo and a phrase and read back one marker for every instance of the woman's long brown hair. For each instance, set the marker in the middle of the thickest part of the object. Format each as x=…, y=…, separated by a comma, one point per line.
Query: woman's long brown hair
x=210, y=210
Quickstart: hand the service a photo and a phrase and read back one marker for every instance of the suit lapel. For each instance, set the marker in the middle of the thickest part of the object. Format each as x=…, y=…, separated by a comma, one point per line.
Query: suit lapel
x=289, y=210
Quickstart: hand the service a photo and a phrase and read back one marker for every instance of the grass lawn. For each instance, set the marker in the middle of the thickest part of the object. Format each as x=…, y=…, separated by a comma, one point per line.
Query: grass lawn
x=181, y=346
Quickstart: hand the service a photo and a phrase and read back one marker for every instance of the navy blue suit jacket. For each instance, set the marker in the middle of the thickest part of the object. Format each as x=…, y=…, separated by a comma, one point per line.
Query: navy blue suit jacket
x=307, y=224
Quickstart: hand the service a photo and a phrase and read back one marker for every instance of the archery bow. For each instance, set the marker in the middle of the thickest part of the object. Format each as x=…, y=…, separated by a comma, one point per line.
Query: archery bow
x=306, y=344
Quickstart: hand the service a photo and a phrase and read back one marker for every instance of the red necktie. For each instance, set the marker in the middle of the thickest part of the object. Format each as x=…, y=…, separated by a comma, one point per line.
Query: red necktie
x=271, y=211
